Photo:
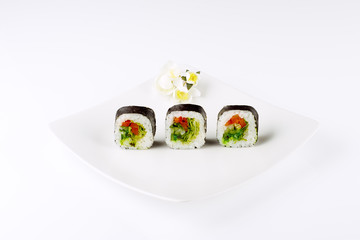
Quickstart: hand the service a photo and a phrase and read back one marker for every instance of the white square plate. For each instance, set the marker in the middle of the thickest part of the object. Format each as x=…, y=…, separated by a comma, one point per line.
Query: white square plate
x=183, y=175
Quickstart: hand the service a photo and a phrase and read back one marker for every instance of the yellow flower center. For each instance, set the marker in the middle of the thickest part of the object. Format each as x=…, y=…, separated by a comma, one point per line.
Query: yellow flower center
x=193, y=78
x=181, y=95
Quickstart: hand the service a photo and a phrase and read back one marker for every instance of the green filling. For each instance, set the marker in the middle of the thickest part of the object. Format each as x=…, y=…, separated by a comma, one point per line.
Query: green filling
x=179, y=134
x=234, y=133
x=128, y=138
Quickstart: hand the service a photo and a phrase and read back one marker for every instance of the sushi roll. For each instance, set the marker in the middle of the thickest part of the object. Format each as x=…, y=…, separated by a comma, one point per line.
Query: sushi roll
x=237, y=126
x=185, y=126
x=135, y=127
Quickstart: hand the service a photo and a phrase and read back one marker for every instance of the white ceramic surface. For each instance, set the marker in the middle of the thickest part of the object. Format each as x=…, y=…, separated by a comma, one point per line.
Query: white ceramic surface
x=183, y=175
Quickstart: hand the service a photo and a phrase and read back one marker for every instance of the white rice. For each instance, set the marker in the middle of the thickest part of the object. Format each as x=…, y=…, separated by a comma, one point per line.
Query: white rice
x=198, y=142
x=145, y=142
x=250, y=134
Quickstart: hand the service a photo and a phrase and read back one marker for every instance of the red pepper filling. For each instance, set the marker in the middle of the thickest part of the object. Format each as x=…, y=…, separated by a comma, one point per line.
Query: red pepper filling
x=126, y=123
x=134, y=126
x=183, y=122
x=236, y=119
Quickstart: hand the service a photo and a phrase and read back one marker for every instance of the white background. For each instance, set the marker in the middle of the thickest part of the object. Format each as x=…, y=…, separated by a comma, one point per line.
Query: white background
x=59, y=57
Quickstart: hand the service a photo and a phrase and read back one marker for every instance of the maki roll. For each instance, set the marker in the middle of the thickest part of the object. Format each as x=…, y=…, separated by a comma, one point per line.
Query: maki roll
x=135, y=127
x=185, y=126
x=237, y=126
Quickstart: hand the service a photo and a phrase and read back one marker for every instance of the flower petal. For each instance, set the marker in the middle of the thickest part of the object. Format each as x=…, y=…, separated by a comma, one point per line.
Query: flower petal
x=168, y=67
x=180, y=85
x=195, y=92
x=164, y=84
x=164, y=81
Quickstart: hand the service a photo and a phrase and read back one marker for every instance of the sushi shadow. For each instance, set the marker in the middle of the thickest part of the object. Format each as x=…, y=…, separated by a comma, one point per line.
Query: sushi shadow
x=158, y=144
x=265, y=138
x=211, y=142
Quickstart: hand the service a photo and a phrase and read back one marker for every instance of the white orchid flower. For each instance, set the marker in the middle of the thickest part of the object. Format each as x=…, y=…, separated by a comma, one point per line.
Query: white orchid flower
x=180, y=83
